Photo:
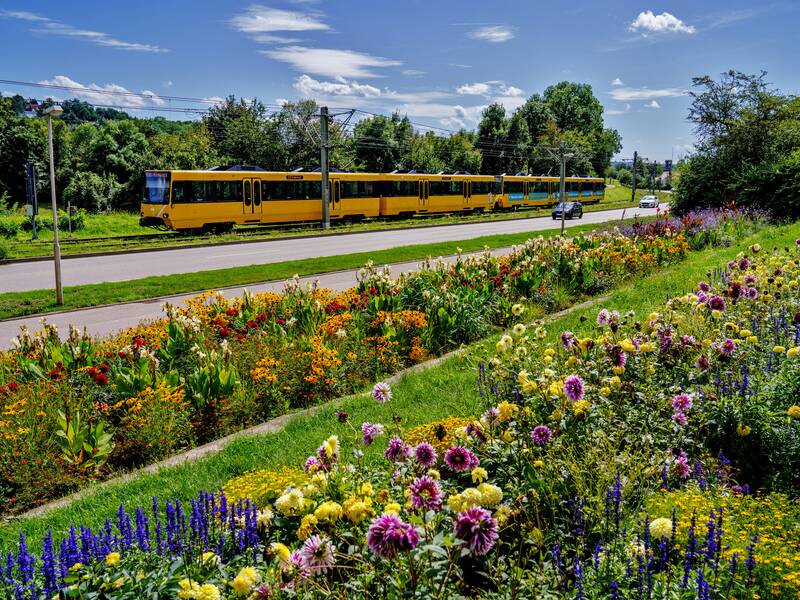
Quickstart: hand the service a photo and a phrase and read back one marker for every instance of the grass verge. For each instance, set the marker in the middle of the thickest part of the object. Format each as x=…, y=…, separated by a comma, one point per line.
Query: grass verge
x=18, y=304
x=105, y=233
x=452, y=383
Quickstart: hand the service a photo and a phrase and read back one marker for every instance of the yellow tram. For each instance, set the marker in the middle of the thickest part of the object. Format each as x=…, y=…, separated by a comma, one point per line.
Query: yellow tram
x=219, y=199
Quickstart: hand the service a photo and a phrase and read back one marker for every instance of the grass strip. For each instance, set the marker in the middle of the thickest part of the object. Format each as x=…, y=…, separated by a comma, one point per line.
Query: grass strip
x=18, y=304
x=447, y=389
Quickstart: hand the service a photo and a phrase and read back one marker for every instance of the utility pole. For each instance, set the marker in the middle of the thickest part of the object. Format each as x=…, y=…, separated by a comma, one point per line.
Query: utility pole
x=633, y=179
x=51, y=112
x=561, y=155
x=324, y=167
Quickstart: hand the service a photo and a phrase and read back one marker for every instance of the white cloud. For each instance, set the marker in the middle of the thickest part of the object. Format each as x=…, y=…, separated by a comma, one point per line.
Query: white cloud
x=489, y=88
x=215, y=100
x=111, y=94
x=333, y=63
x=663, y=23
x=413, y=73
x=492, y=33
x=618, y=111
x=473, y=89
x=261, y=19
x=47, y=26
x=310, y=88
x=168, y=83
x=653, y=104
x=268, y=38
x=627, y=94
x=617, y=81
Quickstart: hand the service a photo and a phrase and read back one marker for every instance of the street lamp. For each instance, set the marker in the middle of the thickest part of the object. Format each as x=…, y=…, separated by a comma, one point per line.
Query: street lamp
x=51, y=112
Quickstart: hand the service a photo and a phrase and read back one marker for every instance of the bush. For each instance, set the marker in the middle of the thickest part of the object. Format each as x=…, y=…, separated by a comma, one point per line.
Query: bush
x=91, y=191
x=45, y=221
x=10, y=226
x=5, y=250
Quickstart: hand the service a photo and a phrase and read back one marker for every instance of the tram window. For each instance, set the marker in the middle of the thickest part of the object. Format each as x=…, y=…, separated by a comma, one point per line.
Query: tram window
x=515, y=187
x=181, y=192
x=599, y=188
x=537, y=188
x=482, y=187
x=446, y=188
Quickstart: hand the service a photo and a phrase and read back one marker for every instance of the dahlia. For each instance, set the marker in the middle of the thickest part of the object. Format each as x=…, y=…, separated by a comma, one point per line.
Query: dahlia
x=369, y=431
x=382, y=392
x=477, y=529
x=573, y=388
x=541, y=434
x=389, y=535
x=425, y=455
x=426, y=493
x=459, y=459
x=682, y=403
x=397, y=451
x=660, y=528
x=316, y=555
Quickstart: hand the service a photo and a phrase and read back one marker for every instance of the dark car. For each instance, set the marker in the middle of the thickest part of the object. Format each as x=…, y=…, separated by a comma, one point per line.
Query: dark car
x=571, y=210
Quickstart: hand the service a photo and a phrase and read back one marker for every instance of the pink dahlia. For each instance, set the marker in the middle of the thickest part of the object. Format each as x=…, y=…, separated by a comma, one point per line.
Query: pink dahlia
x=316, y=555
x=459, y=459
x=382, y=392
x=426, y=493
x=477, y=529
x=389, y=535
x=397, y=450
x=573, y=388
x=541, y=434
x=425, y=455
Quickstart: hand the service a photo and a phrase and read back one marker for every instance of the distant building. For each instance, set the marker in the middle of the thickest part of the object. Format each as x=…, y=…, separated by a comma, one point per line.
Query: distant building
x=31, y=109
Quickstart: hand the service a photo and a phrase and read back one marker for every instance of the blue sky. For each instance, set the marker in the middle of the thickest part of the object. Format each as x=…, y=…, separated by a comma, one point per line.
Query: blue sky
x=439, y=61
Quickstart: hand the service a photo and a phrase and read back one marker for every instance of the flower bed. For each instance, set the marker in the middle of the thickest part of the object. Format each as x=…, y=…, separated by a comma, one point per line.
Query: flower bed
x=81, y=410
x=616, y=462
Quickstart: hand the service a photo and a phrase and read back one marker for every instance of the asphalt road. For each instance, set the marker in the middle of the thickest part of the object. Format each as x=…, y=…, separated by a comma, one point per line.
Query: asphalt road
x=124, y=267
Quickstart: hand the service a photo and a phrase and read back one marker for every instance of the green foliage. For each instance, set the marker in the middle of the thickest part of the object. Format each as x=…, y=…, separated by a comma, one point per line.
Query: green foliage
x=90, y=191
x=748, y=149
x=5, y=250
x=82, y=444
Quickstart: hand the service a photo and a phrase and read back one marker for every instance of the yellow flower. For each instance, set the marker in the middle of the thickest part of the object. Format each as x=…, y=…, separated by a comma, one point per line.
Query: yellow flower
x=328, y=511
x=245, y=581
x=434, y=473
x=365, y=489
x=745, y=333
x=519, y=330
x=627, y=345
x=539, y=464
x=752, y=339
x=661, y=528
x=208, y=591
x=794, y=351
x=209, y=557
x=581, y=407
x=778, y=349
x=357, y=510
x=332, y=446
x=618, y=370
x=517, y=309
x=743, y=430
x=506, y=411
x=291, y=502
x=281, y=551
x=479, y=475
x=794, y=411
x=392, y=508
x=491, y=495
x=112, y=559
x=605, y=391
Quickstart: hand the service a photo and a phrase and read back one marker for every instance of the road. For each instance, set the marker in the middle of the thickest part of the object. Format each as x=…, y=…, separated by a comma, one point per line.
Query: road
x=125, y=267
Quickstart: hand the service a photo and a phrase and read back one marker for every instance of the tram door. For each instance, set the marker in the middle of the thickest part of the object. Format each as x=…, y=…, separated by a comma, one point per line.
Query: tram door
x=466, y=192
x=251, y=197
x=424, y=193
x=335, y=204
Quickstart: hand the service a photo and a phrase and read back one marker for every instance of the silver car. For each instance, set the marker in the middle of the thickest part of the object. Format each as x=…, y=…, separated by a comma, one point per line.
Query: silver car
x=648, y=202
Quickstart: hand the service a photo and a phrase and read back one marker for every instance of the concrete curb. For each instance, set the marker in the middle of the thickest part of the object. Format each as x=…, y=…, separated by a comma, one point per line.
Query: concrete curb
x=271, y=426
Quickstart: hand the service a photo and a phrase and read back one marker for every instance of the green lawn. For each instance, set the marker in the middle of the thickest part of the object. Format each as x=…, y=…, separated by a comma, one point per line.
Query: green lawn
x=447, y=389
x=113, y=227
x=15, y=304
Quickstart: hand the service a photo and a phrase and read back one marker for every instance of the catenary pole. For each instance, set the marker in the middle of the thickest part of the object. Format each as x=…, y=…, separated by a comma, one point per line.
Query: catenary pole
x=51, y=112
x=562, y=184
x=324, y=169
x=633, y=179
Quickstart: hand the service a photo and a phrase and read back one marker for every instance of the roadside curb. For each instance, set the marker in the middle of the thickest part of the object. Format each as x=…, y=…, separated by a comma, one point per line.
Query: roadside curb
x=271, y=426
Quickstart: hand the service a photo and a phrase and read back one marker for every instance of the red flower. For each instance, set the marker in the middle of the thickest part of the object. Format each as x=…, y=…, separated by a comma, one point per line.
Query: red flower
x=232, y=312
x=280, y=321
x=104, y=368
x=224, y=331
x=261, y=317
x=138, y=342
x=12, y=386
x=239, y=337
x=121, y=354
x=101, y=379
x=252, y=323
x=54, y=374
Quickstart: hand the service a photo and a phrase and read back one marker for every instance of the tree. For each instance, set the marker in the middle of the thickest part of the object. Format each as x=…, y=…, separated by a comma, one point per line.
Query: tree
x=383, y=144
x=519, y=140
x=492, y=143
x=574, y=107
x=242, y=134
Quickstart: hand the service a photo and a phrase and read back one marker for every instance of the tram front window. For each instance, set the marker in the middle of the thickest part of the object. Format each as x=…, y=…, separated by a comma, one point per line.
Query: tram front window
x=156, y=187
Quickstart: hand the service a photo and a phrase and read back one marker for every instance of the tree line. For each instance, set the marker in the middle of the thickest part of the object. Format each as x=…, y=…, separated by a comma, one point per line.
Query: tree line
x=101, y=153
x=747, y=149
